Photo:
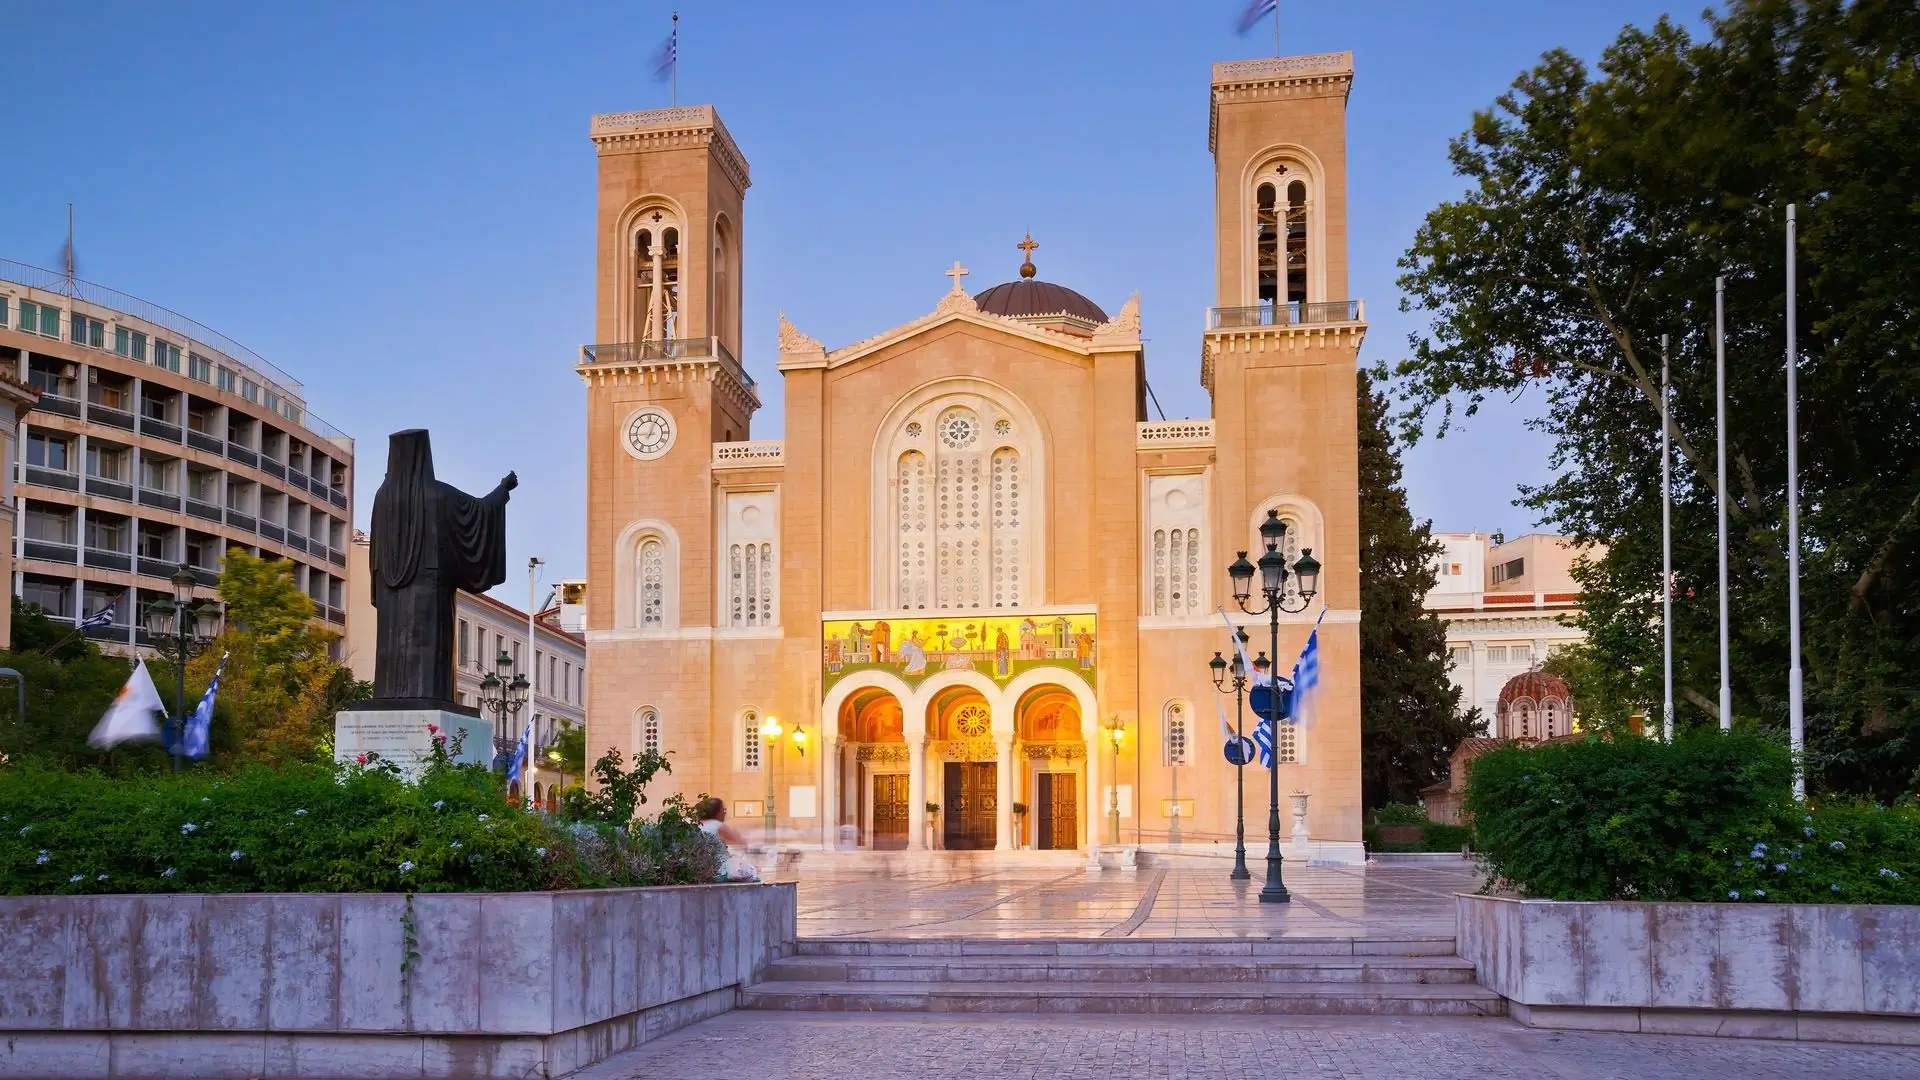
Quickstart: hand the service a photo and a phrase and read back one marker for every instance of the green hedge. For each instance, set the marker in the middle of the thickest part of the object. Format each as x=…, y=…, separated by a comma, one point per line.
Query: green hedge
x=1438, y=839
x=1707, y=817
x=310, y=828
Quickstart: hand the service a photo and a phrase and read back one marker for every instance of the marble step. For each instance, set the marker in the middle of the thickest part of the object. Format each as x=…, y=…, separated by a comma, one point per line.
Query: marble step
x=1124, y=947
x=1432, y=970
x=1327, y=999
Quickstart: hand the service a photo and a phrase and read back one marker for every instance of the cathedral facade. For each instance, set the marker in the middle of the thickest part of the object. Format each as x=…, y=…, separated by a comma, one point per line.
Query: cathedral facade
x=969, y=601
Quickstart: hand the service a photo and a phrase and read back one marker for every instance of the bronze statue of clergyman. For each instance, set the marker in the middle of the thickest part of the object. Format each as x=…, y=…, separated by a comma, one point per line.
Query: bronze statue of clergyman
x=428, y=540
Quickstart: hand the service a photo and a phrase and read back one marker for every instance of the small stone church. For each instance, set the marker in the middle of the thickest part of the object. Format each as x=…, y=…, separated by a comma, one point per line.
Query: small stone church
x=973, y=575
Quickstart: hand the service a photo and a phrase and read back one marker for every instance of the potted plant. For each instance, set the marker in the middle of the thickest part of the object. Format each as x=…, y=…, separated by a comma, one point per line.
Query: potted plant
x=933, y=825
x=1020, y=825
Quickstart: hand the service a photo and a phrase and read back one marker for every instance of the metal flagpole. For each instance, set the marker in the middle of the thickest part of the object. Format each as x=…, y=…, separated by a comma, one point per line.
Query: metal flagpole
x=1796, y=701
x=533, y=657
x=1720, y=429
x=1666, y=548
x=675, y=60
x=1276, y=29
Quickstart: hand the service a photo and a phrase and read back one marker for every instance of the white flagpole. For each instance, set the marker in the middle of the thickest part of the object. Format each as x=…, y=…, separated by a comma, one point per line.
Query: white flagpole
x=1796, y=701
x=1720, y=429
x=1276, y=28
x=1666, y=549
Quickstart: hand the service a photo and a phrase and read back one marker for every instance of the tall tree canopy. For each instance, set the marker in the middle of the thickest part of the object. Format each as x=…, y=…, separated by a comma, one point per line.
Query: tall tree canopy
x=1601, y=207
x=1408, y=709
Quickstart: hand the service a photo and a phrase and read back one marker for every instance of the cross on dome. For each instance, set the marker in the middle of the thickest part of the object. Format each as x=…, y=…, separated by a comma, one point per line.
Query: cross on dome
x=1027, y=269
x=956, y=274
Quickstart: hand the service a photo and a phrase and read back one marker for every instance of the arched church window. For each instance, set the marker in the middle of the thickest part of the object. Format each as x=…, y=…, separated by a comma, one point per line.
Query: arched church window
x=1173, y=735
x=1007, y=498
x=962, y=507
x=653, y=583
x=750, y=740
x=1266, y=243
x=915, y=577
x=648, y=721
x=1297, y=242
x=1287, y=749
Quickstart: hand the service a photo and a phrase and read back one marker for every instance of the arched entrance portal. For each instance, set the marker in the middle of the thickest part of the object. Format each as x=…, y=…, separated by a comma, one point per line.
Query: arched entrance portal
x=1053, y=757
x=960, y=722
x=871, y=726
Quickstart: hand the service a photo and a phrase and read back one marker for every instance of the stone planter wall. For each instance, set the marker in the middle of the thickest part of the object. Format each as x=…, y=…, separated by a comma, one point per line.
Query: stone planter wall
x=1808, y=971
x=503, y=985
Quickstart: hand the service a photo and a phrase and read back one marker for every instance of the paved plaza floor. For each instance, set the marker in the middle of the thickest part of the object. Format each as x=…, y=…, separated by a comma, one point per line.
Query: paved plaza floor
x=839, y=1046
x=1180, y=900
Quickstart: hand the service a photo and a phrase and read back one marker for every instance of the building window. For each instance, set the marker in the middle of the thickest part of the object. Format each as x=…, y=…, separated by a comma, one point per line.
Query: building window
x=49, y=452
x=131, y=344
x=166, y=355
x=750, y=584
x=1507, y=571
x=199, y=368
x=1173, y=722
x=653, y=583
x=42, y=319
x=3, y=311
x=650, y=730
x=1460, y=655
x=1496, y=654
x=466, y=656
x=750, y=740
x=84, y=331
x=250, y=390
x=1007, y=500
x=915, y=572
x=228, y=380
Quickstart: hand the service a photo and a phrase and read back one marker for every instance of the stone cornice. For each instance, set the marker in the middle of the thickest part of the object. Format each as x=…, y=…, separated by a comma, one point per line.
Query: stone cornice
x=672, y=129
x=680, y=372
x=1276, y=77
x=1273, y=339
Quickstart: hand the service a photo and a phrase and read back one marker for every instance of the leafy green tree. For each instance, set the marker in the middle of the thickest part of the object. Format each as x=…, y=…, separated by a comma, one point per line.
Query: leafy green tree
x=281, y=686
x=1409, y=711
x=1601, y=206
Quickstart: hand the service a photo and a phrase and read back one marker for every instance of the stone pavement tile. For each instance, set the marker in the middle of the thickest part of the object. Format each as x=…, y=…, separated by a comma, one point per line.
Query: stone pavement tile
x=829, y=1046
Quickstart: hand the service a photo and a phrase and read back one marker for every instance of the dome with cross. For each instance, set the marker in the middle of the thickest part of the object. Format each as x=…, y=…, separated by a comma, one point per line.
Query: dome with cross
x=1032, y=299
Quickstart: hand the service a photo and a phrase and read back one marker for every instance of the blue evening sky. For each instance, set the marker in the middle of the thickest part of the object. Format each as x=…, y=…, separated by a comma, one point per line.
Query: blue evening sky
x=395, y=202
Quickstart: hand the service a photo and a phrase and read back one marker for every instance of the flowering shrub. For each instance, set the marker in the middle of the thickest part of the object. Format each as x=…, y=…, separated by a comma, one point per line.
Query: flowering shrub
x=313, y=828
x=1709, y=817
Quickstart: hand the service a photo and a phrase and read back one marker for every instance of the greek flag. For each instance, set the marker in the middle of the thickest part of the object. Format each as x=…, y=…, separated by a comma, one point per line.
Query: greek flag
x=1257, y=10
x=518, y=763
x=668, y=57
x=196, y=741
x=103, y=617
x=1306, y=675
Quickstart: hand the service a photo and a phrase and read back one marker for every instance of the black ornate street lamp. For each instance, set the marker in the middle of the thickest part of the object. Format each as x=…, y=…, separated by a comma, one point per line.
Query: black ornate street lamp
x=503, y=694
x=1273, y=587
x=1230, y=677
x=182, y=626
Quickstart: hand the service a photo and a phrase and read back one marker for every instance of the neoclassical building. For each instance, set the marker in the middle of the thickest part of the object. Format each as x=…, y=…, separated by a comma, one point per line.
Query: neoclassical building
x=973, y=573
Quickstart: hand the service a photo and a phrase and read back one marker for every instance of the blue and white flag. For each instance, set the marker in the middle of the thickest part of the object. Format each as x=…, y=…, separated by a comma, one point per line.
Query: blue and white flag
x=103, y=617
x=518, y=763
x=1256, y=10
x=669, y=55
x=1306, y=675
x=196, y=742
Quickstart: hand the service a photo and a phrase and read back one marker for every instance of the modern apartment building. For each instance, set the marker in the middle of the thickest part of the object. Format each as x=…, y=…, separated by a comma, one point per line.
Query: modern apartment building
x=158, y=443
x=1507, y=605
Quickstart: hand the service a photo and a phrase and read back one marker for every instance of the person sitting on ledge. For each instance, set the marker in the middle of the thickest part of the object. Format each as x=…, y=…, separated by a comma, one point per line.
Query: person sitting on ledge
x=712, y=813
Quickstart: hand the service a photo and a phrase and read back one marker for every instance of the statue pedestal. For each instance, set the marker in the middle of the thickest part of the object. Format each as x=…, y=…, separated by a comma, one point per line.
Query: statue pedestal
x=397, y=732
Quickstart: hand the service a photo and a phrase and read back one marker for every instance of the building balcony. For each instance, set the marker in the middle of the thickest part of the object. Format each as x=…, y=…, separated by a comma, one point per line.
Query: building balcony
x=61, y=406
x=200, y=440
x=666, y=350
x=101, y=559
x=159, y=429
x=50, y=550
x=110, y=416
x=109, y=489
x=53, y=478
x=1295, y=314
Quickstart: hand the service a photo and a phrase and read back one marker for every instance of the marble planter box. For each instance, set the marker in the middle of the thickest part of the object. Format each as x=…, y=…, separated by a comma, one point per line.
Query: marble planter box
x=1844, y=973
x=295, y=985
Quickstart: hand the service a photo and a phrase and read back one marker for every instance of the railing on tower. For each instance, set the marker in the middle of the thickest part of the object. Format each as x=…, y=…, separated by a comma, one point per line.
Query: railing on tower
x=1294, y=314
